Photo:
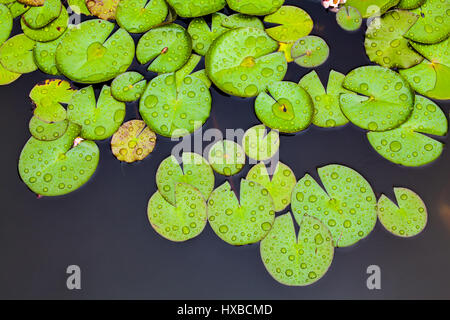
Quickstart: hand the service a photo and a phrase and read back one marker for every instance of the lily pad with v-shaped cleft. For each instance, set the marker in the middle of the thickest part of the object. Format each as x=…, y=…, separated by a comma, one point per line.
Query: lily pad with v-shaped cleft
x=292, y=23
x=137, y=16
x=259, y=144
x=128, y=86
x=349, y=18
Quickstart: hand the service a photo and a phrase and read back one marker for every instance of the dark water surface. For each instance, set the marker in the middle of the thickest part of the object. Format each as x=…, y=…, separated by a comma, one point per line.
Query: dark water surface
x=103, y=227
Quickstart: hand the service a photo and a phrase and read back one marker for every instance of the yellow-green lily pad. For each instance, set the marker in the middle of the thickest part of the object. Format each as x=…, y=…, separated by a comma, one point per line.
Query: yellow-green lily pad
x=16, y=54
x=310, y=51
x=292, y=23
x=47, y=131
x=255, y=8
x=17, y=8
x=7, y=77
x=138, y=16
x=349, y=18
x=226, y=157
x=49, y=32
x=128, y=86
x=195, y=8
x=259, y=144
x=45, y=56
x=39, y=17
x=6, y=23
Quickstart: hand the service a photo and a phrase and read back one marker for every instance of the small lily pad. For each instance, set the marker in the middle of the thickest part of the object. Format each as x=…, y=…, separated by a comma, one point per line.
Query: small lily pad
x=348, y=207
x=310, y=52
x=410, y=4
x=134, y=141
x=195, y=8
x=98, y=120
x=104, y=9
x=47, y=131
x=260, y=144
x=138, y=16
x=79, y=7
x=6, y=23
x=242, y=62
x=292, y=23
x=327, y=110
x=128, y=86
x=17, y=8
x=226, y=157
x=279, y=185
x=298, y=261
x=196, y=172
x=167, y=47
x=406, y=145
x=16, y=54
x=39, y=17
x=54, y=168
x=349, y=18
x=369, y=8
x=45, y=56
x=244, y=221
x=408, y=219
x=49, y=32
x=255, y=8
x=286, y=107
x=384, y=101
x=7, y=77
x=180, y=222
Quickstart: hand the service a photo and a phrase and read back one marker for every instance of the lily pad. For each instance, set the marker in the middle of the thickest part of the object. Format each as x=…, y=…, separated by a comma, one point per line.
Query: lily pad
x=410, y=4
x=239, y=20
x=138, y=16
x=99, y=120
x=242, y=62
x=260, y=144
x=226, y=157
x=406, y=145
x=280, y=184
x=327, y=110
x=128, y=86
x=385, y=44
x=45, y=56
x=54, y=168
x=286, y=107
x=32, y=3
x=349, y=18
x=203, y=76
x=347, y=207
x=6, y=23
x=96, y=58
x=255, y=8
x=16, y=54
x=39, y=17
x=167, y=47
x=7, y=77
x=384, y=101
x=408, y=219
x=195, y=8
x=49, y=32
x=369, y=8
x=47, y=131
x=104, y=9
x=180, y=222
x=244, y=221
x=298, y=261
x=79, y=7
x=17, y=8
x=134, y=141
x=292, y=23
x=310, y=52
x=196, y=172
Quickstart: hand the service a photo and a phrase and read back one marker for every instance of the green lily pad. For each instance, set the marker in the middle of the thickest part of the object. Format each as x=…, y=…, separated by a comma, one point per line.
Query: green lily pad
x=410, y=4
x=242, y=62
x=348, y=207
x=96, y=58
x=385, y=44
x=7, y=77
x=255, y=8
x=195, y=8
x=167, y=47
x=408, y=219
x=196, y=172
x=6, y=23
x=134, y=141
x=432, y=25
x=128, y=86
x=244, y=221
x=310, y=52
x=279, y=185
x=103, y=9
x=79, y=7
x=406, y=145
x=293, y=23
x=226, y=157
x=39, y=17
x=327, y=110
x=286, y=107
x=47, y=131
x=369, y=8
x=99, y=120
x=173, y=111
x=17, y=8
x=260, y=144
x=298, y=261
x=54, y=168
x=32, y=3
x=49, y=32
x=384, y=101
x=349, y=18
x=180, y=222
x=239, y=20
x=45, y=56
x=48, y=97
x=138, y=16
x=16, y=54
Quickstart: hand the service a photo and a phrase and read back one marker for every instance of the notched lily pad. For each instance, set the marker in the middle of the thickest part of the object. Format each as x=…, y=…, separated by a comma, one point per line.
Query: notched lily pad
x=104, y=9
x=310, y=52
x=259, y=144
x=292, y=23
x=128, y=86
x=6, y=23
x=49, y=32
x=226, y=157
x=47, y=131
x=16, y=54
x=195, y=8
x=255, y=8
x=137, y=16
x=39, y=17
x=349, y=18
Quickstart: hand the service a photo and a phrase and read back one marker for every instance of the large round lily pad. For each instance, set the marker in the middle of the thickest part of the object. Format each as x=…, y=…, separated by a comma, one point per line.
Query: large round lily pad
x=54, y=168
x=384, y=101
x=408, y=219
x=327, y=110
x=6, y=23
x=128, y=87
x=196, y=172
x=182, y=221
x=369, y=8
x=98, y=120
x=137, y=16
x=349, y=18
x=385, y=44
x=347, y=207
x=292, y=23
x=285, y=107
x=45, y=56
x=167, y=47
x=195, y=8
x=244, y=221
x=92, y=53
x=255, y=8
x=7, y=77
x=410, y=4
x=39, y=17
x=310, y=51
x=259, y=144
x=226, y=157
x=242, y=62
x=47, y=131
x=134, y=141
x=298, y=261
x=16, y=54
x=406, y=145
x=49, y=32
x=280, y=183
x=104, y=9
